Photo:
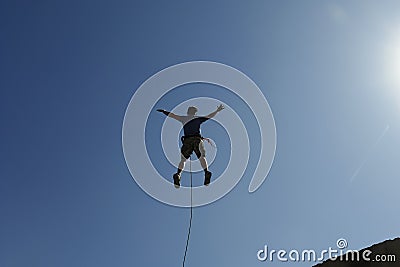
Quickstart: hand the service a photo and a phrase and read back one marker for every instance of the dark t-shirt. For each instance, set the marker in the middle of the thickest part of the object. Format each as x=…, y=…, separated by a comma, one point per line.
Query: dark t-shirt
x=191, y=125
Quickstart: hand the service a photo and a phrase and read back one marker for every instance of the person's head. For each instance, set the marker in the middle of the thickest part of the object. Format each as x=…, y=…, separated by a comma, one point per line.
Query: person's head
x=192, y=111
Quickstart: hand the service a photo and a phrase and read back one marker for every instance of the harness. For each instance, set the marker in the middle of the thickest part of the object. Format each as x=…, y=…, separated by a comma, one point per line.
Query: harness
x=212, y=144
x=189, y=136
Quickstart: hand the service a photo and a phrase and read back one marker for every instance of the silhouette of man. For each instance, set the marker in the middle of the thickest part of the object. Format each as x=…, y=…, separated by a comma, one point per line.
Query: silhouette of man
x=192, y=140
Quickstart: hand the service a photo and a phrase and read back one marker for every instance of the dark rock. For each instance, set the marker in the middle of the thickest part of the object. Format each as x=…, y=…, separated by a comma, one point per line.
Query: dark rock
x=383, y=254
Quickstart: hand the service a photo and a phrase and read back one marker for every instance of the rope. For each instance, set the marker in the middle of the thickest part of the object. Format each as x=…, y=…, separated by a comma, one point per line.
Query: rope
x=212, y=144
x=191, y=212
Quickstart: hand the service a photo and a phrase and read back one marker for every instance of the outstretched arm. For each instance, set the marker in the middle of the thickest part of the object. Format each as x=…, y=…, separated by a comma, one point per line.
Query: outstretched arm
x=212, y=114
x=170, y=114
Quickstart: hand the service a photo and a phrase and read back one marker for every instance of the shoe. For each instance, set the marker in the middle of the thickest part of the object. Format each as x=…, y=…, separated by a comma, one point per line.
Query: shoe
x=177, y=180
x=207, y=178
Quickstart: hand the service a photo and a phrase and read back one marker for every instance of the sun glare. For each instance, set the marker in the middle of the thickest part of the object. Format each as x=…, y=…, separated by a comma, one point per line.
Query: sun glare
x=391, y=65
x=392, y=61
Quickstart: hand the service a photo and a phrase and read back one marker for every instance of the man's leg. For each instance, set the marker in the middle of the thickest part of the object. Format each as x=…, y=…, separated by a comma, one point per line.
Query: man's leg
x=186, y=150
x=181, y=165
x=203, y=163
x=177, y=176
x=207, y=173
x=201, y=154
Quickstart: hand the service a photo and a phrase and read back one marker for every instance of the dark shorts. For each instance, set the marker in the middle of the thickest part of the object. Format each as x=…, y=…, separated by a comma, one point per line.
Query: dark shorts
x=191, y=144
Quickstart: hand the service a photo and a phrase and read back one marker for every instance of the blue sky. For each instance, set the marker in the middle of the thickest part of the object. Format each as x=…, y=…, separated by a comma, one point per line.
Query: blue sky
x=329, y=70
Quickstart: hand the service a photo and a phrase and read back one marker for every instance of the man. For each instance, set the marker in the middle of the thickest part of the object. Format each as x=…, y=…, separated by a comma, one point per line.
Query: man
x=192, y=140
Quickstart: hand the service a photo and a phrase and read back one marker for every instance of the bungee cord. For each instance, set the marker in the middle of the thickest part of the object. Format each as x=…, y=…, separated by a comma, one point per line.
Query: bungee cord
x=191, y=211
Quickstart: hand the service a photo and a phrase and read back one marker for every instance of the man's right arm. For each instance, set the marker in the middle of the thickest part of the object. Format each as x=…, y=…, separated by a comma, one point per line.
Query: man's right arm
x=170, y=114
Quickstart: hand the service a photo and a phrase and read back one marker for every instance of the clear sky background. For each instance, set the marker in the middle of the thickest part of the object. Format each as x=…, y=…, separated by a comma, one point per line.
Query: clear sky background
x=330, y=71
